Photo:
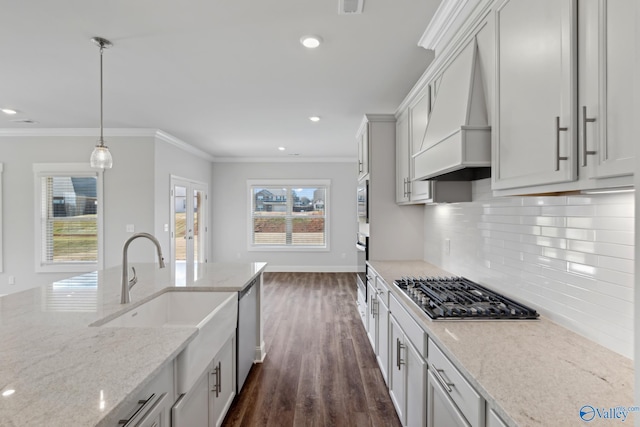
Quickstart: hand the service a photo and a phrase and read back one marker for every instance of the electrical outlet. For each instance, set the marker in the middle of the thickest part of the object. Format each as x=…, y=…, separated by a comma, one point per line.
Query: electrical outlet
x=12, y=280
x=130, y=228
x=166, y=227
x=447, y=246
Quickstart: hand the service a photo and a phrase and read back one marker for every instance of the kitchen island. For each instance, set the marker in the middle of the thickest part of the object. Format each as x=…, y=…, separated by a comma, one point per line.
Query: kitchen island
x=529, y=372
x=65, y=370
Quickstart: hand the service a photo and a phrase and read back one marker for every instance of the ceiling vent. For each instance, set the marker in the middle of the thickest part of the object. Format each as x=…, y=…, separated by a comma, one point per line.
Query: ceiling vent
x=350, y=7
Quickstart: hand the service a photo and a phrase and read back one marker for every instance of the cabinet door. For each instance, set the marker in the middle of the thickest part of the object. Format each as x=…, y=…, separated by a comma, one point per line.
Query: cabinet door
x=606, y=41
x=535, y=140
x=363, y=153
x=224, y=385
x=419, y=119
x=192, y=408
x=383, y=339
x=372, y=307
x=397, y=371
x=402, y=158
x=416, y=387
x=440, y=409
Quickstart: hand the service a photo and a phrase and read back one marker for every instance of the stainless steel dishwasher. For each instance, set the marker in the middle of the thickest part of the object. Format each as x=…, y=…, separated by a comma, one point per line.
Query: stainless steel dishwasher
x=247, y=330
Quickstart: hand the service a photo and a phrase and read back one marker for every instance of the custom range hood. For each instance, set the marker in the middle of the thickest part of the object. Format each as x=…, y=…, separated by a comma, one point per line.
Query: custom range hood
x=457, y=142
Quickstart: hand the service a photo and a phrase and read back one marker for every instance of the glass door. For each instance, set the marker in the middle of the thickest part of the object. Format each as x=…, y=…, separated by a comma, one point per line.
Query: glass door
x=188, y=228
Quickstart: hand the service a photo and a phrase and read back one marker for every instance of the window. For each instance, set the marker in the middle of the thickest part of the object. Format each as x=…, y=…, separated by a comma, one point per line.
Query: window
x=288, y=215
x=69, y=217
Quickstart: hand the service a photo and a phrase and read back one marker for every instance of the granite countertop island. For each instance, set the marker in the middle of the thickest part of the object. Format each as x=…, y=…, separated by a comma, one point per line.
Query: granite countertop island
x=67, y=371
x=532, y=373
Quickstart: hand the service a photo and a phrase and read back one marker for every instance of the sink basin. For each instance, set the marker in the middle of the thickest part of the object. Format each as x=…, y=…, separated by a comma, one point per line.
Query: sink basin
x=174, y=308
x=214, y=314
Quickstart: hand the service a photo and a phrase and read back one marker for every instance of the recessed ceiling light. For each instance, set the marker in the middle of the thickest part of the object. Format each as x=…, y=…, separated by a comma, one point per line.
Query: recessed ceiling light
x=281, y=148
x=314, y=118
x=9, y=111
x=8, y=393
x=311, y=42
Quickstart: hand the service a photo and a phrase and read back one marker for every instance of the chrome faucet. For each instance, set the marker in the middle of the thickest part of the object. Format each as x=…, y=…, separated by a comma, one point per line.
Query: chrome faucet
x=126, y=283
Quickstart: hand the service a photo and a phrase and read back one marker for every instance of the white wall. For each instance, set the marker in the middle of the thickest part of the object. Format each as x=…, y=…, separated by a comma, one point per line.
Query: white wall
x=230, y=210
x=172, y=160
x=127, y=198
x=136, y=192
x=571, y=257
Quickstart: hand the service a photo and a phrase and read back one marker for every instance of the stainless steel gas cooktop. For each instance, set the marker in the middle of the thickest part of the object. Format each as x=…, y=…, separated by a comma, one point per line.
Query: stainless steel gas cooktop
x=452, y=298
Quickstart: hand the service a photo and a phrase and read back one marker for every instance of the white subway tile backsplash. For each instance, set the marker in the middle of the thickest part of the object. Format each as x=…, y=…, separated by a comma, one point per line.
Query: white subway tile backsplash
x=571, y=257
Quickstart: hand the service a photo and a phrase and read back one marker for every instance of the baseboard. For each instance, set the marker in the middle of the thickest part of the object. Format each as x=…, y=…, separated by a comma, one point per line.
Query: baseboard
x=311, y=268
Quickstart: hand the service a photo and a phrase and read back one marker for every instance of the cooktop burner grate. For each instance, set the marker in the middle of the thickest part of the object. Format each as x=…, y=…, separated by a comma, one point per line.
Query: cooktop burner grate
x=445, y=298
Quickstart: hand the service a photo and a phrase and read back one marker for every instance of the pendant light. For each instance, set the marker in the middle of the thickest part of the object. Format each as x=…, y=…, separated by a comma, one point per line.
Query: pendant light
x=101, y=157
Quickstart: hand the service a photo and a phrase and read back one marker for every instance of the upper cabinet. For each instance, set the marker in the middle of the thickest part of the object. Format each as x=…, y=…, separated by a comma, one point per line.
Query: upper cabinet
x=411, y=127
x=535, y=103
x=564, y=111
x=363, y=151
x=606, y=42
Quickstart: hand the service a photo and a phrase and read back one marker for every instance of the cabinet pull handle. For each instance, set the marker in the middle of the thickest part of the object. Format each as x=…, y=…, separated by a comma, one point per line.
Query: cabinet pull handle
x=399, y=347
x=404, y=187
x=359, y=167
x=438, y=374
x=585, y=120
x=143, y=404
x=558, y=130
x=219, y=388
x=408, y=187
x=216, y=372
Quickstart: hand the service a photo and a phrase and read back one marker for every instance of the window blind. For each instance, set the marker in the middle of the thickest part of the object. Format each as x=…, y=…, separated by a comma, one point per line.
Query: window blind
x=69, y=219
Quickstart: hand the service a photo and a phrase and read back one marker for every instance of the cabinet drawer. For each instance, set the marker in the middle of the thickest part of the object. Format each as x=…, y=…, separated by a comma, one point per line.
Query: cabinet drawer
x=411, y=329
x=383, y=290
x=461, y=392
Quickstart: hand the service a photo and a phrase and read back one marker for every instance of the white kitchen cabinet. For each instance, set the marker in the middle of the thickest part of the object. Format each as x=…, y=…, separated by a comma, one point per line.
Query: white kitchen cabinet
x=440, y=408
x=494, y=420
x=208, y=401
x=411, y=126
x=151, y=406
x=382, y=318
x=450, y=394
x=564, y=111
x=535, y=132
x=407, y=377
x=606, y=42
x=363, y=151
x=372, y=322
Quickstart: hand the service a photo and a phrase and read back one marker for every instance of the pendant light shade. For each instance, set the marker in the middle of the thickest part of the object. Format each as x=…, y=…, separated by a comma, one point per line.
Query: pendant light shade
x=101, y=157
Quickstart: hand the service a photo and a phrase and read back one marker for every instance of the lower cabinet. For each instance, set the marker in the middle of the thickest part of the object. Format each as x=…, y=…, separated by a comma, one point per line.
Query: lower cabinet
x=407, y=377
x=151, y=406
x=207, y=402
x=441, y=409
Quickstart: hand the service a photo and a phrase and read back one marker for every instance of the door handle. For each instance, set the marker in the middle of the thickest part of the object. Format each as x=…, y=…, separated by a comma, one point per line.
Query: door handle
x=585, y=120
x=558, y=130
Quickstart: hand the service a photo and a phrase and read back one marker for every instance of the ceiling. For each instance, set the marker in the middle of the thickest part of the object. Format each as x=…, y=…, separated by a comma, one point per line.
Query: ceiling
x=229, y=77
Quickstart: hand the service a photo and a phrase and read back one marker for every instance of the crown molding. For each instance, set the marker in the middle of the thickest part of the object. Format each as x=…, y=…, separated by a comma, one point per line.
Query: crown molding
x=170, y=139
x=447, y=20
x=295, y=159
x=113, y=132
x=135, y=132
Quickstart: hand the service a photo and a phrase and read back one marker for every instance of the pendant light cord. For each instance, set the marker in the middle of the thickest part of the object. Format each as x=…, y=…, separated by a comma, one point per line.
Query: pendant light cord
x=101, y=102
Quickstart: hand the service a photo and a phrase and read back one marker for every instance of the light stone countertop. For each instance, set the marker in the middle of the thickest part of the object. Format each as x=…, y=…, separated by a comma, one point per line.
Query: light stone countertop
x=533, y=373
x=68, y=373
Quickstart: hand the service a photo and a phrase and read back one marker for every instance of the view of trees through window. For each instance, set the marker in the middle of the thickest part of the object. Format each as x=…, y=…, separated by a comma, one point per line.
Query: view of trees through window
x=289, y=216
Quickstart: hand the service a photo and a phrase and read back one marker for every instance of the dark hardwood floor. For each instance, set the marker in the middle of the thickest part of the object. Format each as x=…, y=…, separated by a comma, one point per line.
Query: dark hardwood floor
x=320, y=369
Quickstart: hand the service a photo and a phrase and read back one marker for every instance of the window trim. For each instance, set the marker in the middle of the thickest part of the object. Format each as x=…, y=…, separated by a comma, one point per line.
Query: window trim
x=66, y=169
x=288, y=183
